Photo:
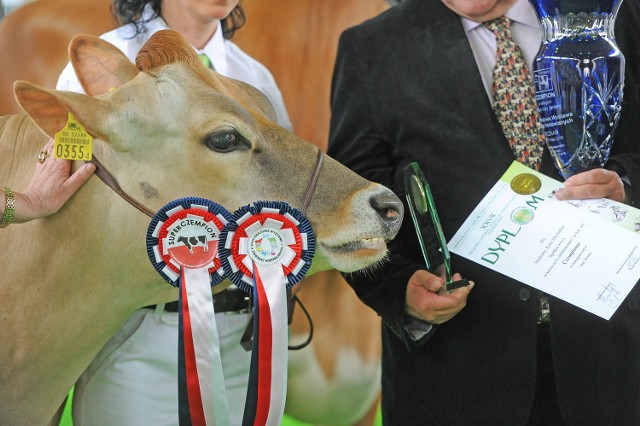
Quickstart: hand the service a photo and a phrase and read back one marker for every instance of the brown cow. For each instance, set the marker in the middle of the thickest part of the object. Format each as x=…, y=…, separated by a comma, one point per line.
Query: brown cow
x=70, y=280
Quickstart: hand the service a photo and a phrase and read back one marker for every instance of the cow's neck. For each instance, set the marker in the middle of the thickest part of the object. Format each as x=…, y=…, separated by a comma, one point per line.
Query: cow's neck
x=61, y=313
x=89, y=272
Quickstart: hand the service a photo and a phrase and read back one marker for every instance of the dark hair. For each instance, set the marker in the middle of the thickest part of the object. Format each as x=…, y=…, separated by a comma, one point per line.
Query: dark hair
x=130, y=11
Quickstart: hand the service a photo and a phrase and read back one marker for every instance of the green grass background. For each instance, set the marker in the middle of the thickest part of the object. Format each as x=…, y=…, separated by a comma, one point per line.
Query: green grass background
x=286, y=421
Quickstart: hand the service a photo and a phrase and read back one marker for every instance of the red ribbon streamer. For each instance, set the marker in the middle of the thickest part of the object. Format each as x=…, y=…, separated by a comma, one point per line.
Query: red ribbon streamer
x=193, y=383
x=264, y=363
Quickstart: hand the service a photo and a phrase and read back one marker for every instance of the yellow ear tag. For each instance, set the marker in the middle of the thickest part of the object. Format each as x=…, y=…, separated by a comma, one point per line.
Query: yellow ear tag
x=73, y=142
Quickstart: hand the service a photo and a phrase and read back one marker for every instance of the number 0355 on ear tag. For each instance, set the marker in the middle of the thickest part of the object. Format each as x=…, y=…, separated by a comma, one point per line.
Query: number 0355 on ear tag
x=73, y=142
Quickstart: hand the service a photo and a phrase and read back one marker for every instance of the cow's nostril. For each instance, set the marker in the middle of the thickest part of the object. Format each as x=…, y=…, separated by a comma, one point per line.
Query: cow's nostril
x=391, y=213
x=388, y=206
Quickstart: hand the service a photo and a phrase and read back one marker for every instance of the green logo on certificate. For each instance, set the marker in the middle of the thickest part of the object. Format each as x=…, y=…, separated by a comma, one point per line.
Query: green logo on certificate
x=526, y=184
x=521, y=215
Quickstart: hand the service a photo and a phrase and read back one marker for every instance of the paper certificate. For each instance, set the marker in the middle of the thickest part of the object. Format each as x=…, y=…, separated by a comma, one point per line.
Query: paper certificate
x=584, y=252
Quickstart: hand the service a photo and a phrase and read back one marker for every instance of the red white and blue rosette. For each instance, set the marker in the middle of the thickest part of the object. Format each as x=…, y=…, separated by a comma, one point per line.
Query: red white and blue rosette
x=273, y=232
x=177, y=231
x=265, y=249
x=182, y=244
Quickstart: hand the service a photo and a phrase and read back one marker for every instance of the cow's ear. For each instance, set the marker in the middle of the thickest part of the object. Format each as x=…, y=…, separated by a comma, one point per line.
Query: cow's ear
x=99, y=65
x=50, y=109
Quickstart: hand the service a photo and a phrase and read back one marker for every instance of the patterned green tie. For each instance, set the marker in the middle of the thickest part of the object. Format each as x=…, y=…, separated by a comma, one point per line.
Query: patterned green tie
x=205, y=60
x=514, y=98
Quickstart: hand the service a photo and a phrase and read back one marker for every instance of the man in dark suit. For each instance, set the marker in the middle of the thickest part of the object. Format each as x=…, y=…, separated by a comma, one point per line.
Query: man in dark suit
x=412, y=85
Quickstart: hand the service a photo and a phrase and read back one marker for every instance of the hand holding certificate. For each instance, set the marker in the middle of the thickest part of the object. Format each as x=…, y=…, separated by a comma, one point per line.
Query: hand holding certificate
x=584, y=252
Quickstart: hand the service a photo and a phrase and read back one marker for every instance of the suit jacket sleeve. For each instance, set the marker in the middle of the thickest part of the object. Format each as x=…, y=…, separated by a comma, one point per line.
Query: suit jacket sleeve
x=357, y=139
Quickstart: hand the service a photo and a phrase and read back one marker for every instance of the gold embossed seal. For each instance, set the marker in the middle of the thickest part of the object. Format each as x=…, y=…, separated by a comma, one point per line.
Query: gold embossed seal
x=526, y=184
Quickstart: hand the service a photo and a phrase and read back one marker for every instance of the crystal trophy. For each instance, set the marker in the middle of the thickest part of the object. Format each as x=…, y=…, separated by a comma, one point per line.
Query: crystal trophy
x=426, y=220
x=579, y=78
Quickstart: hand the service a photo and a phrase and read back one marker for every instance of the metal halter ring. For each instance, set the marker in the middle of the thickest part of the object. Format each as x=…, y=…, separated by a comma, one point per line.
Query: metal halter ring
x=43, y=156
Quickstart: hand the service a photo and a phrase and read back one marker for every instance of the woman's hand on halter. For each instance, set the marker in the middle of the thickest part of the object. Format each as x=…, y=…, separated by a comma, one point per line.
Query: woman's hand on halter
x=52, y=184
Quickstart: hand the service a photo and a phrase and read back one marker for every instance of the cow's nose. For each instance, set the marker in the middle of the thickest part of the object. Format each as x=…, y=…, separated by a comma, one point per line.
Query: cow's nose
x=389, y=208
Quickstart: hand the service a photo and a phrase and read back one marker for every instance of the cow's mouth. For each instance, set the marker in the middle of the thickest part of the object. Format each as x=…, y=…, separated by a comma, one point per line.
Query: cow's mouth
x=356, y=254
x=375, y=244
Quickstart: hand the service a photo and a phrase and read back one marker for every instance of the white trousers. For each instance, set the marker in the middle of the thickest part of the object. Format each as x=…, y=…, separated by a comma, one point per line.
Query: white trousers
x=133, y=381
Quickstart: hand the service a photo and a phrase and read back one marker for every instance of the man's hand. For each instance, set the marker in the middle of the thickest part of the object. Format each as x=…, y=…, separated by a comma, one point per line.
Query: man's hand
x=595, y=183
x=423, y=303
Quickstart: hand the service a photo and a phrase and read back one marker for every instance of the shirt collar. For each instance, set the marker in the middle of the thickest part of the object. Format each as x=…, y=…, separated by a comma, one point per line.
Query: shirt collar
x=520, y=12
x=215, y=49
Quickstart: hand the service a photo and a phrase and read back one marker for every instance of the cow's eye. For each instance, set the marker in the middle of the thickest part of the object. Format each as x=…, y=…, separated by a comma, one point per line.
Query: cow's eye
x=225, y=141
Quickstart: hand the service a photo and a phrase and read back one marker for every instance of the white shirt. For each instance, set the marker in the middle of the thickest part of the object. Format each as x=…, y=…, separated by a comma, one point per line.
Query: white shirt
x=227, y=59
x=525, y=30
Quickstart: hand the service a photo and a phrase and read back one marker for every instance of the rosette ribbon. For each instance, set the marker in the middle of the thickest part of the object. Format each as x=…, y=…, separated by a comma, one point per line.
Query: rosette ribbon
x=265, y=249
x=182, y=244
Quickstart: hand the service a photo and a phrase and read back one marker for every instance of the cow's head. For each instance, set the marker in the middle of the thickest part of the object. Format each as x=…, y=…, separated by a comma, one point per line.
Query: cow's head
x=168, y=127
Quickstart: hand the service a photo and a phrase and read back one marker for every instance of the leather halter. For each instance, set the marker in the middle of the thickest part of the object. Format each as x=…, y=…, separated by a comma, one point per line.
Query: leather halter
x=112, y=183
x=106, y=177
x=312, y=183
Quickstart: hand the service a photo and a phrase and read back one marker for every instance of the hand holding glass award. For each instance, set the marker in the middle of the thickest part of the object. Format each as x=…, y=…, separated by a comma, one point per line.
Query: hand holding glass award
x=425, y=220
x=579, y=78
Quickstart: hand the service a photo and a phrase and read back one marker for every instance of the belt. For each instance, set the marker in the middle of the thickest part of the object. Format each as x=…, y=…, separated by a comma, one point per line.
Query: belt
x=544, y=315
x=229, y=300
